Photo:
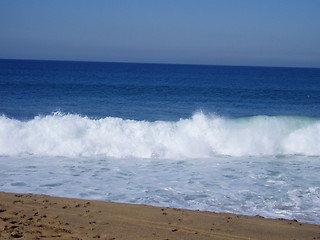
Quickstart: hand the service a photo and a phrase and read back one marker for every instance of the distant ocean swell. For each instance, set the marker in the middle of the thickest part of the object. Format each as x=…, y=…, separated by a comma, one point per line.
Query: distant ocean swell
x=201, y=136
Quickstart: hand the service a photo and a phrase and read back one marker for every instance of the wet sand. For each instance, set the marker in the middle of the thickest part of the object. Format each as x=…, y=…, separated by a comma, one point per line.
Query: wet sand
x=27, y=216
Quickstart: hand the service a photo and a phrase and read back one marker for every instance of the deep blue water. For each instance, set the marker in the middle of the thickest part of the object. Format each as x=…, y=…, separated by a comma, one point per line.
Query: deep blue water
x=155, y=91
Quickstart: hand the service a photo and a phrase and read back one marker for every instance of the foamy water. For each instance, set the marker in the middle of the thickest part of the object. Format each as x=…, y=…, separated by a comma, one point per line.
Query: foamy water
x=276, y=187
x=201, y=136
x=258, y=165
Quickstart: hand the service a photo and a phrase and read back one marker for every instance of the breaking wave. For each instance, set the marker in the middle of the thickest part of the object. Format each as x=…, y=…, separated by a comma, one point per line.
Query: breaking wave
x=201, y=136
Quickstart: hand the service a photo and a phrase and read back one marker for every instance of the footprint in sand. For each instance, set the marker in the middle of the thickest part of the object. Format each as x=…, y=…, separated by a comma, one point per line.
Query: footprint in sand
x=16, y=234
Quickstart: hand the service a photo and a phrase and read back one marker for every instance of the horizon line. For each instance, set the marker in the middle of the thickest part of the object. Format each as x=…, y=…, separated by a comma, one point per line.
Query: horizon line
x=153, y=63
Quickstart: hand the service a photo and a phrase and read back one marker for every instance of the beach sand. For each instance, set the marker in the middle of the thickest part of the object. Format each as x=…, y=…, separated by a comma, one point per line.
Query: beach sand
x=27, y=216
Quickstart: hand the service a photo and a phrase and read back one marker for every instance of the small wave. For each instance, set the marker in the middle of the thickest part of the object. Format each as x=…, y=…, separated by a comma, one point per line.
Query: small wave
x=201, y=136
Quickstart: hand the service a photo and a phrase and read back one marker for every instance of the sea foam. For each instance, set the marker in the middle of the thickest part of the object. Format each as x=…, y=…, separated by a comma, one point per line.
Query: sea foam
x=201, y=136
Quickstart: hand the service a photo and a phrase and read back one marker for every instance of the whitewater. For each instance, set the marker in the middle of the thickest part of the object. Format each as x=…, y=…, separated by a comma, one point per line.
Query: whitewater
x=255, y=165
x=201, y=136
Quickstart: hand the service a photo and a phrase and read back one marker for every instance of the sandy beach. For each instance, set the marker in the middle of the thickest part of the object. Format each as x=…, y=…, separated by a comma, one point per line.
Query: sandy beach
x=27, y=216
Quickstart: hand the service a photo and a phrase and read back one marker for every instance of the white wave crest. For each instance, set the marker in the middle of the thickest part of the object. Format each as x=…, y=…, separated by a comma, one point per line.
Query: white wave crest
x=201, y=136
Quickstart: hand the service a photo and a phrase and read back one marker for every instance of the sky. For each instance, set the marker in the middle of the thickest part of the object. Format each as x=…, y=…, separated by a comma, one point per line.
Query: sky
x=215, y=32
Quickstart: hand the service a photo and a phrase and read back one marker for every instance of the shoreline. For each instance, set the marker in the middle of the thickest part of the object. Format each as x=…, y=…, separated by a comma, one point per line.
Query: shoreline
x=28, y=216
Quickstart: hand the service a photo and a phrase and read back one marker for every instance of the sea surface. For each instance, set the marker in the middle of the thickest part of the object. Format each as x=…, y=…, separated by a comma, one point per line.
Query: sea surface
x=243, y=140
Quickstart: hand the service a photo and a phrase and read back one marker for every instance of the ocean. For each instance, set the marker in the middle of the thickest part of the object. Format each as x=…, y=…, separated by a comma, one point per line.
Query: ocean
x=242, y=140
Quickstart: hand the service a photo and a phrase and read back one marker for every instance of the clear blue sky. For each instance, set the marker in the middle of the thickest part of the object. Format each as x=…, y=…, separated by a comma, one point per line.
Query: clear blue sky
x=224, y=32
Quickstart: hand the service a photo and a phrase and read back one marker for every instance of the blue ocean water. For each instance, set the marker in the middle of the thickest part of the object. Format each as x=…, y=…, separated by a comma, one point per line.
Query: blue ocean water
x=219, y=138
x=155, y=91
